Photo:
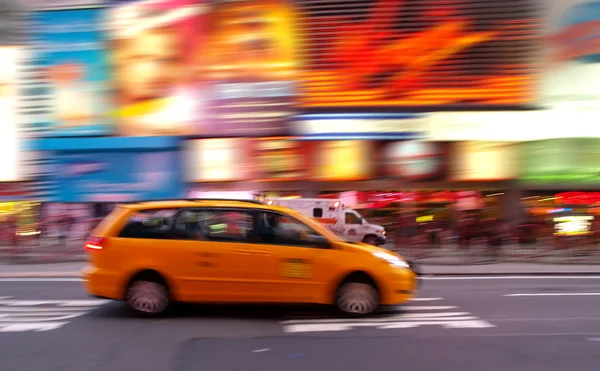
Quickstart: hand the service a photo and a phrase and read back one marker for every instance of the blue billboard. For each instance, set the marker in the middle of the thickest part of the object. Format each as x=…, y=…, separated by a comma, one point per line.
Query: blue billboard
x=116, y=176
x=72, y=57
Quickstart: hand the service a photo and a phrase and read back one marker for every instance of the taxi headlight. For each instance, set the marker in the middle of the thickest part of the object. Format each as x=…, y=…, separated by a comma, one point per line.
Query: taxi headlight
x=393, y=260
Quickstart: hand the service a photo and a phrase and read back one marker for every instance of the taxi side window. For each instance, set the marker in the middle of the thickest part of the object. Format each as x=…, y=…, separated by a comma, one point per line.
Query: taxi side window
x=273, y=228
x=149, y=224
x=214, y=225
x=189, y=226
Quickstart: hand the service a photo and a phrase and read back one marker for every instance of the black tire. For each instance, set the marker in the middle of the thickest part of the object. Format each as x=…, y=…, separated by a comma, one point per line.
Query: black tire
x=356, y=297
x=148, y=295
x=371, y=240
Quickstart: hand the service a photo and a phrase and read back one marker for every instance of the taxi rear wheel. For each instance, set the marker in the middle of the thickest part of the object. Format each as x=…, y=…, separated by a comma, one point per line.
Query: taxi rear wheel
x=148, y=296
x=357, y=299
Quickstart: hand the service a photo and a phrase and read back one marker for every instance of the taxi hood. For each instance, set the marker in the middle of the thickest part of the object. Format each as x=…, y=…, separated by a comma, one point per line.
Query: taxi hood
x=364, y=247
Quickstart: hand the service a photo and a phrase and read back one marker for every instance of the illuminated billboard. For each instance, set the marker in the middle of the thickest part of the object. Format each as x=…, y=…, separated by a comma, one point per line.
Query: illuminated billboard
x=571, y=78
x=73, y=61
x=249, y=64
x=10, y=169
x=375, y=53
x=152, y=46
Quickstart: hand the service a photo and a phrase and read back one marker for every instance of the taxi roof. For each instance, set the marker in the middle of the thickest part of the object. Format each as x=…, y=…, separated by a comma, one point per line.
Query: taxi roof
x=167, y=204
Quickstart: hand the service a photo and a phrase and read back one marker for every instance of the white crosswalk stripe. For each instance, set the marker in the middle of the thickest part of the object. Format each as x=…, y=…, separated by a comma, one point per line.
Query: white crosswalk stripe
x=41, y=315
x=408, y=316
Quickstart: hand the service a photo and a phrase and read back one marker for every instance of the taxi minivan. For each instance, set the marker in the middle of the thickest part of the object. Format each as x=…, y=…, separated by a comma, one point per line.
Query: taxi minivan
x=150, y=254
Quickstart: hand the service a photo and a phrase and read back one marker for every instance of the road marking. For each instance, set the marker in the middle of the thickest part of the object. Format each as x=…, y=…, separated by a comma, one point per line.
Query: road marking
x=557, y=294
x=62, y=303
x=42, y=279
x=6, y=297
x=42, y=315
x=472, y=322
x=456, y=278
x=416, y=316
x=399, y=317
x=261, y=350
x=32, y=326
x=425, y=299
x=432, y=307
x=593, y=339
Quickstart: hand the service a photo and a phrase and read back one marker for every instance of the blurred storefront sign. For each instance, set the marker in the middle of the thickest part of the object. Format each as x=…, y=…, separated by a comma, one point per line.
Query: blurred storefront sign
x=74, y=61
x=571, y=79
x=577, y=198
x=375, y=53
x=468, y=200
x=249, y=63
x=575, y=161
x=412, y=160
x=10, y=164
x=279, y=159
x=156, y=93
x=511, y=126
x=217, y=160
x=484, y=161
x=112, y=169
x=361, y=126
x=343, y=160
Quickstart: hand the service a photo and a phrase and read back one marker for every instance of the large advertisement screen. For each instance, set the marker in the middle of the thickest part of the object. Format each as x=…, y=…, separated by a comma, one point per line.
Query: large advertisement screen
x=152, y=46
x=9, y=141
x=75, y=63
x=377, y=53
x=115, y=176
x=249, y=63
x=571, y=77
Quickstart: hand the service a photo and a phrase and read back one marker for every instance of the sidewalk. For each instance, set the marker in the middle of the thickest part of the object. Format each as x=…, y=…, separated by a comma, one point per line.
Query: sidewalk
x=73, y=269
x=510, y=269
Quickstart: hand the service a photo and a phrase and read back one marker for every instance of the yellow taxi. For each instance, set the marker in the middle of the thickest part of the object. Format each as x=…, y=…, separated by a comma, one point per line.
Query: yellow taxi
x=151, y=254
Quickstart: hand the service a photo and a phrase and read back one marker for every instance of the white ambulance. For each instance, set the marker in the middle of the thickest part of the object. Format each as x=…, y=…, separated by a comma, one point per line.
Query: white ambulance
x=339, y=218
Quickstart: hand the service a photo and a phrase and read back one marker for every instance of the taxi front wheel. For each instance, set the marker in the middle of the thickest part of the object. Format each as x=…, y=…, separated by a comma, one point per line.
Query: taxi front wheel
x=148, y=297
x=357, y=299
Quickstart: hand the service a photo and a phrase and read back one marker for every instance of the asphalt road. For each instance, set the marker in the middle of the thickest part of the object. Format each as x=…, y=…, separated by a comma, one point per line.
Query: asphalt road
x=536, y=323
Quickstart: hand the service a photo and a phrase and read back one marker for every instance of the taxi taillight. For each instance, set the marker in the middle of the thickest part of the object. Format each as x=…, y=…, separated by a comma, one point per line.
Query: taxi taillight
x=93, y=244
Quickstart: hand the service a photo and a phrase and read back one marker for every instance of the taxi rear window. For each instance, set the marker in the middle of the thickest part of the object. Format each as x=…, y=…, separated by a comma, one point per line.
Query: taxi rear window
x=154, y=224
x=108, y=222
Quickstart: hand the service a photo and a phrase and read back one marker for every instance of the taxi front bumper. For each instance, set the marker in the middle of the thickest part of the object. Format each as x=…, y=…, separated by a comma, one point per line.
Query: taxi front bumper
x=404, y=286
